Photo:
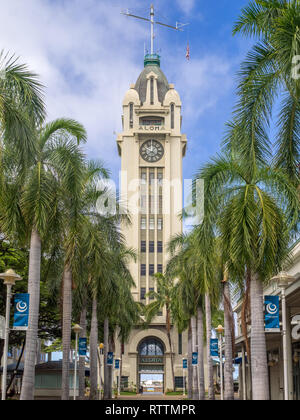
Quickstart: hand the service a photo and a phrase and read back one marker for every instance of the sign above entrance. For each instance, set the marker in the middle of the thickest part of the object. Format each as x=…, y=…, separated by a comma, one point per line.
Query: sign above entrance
x=151, y=368
x=151, y=359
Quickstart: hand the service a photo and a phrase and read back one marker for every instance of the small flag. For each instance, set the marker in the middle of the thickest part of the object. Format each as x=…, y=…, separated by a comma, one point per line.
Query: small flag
x=188, y=51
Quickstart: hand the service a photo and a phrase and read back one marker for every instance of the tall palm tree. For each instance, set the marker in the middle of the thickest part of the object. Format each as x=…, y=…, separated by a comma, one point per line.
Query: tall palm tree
x=21, y=108
x=270, y=71
x=257, y=208
x=37, y=205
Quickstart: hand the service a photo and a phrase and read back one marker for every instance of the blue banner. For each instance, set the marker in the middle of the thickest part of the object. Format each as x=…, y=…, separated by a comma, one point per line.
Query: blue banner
x=195, y=359
x=272, y=314
x=117, y=364
x=214, y=347
x=21, y=311
x=184, y=363
x=110, y=358
x=82, y=346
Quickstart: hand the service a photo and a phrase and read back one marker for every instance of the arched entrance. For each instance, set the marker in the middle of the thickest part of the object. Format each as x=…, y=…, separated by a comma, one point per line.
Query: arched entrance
x=151, y=365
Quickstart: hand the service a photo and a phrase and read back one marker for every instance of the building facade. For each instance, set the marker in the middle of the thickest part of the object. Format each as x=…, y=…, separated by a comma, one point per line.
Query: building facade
x=151, y=147
x=274, y=340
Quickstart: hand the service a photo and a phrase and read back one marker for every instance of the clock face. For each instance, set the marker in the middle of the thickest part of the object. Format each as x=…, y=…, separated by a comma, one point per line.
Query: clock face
x=152, y=151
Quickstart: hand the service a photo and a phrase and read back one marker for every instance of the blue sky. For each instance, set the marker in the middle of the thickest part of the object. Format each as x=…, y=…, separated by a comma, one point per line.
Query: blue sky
x=87, y=54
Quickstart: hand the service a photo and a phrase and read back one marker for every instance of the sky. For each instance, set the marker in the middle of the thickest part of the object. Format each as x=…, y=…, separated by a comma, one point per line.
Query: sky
x=87, y=54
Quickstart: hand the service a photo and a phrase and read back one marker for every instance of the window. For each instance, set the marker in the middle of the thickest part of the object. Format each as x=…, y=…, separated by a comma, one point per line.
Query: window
x=131, y=115
x=143, y=293
x=143, y=223
x=151, y=225
x=159, y=224
x=159, y=247
x=179, y=343
x=179, y=382
x=143, y=246
x=143, y=178
x=151, y=289
x=122, y=348
x=159, y=268
x=151, y=347
x=160, y=178
x=124, y=382
x=172, y=116
x=151, y=91
x=143, y=202
x=151, y=269
x=143, y=269
x=151, y=178
x=151, y=247
x=159, y=313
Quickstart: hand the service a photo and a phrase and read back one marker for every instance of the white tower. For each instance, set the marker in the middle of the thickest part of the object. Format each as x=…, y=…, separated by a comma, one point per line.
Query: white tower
x=151, y=148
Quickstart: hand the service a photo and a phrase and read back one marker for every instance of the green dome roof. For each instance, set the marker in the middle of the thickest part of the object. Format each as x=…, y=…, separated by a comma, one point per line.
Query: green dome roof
x=152, y=64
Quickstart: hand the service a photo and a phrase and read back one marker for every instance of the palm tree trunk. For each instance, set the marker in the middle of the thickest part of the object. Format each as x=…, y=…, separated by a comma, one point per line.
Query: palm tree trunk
x=211, y=390
x=200, y=353
x=34, y=275
x=168, y=323
x=66, y=332
x=93, y=352
x=259, y=364
x=106, y=374
x=190, y=367
x=194, y=349
x=228, y=321
x=81, y=365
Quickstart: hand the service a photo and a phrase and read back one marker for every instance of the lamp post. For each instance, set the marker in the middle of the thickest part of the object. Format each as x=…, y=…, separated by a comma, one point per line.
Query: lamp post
x=10, y=278
x=77, y=330
x=101, y=347
x=283, y=281
x=220, y=331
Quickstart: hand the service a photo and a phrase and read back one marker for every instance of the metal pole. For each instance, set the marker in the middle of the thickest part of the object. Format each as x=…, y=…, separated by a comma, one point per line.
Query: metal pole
x=284, y=339
x=152, y=27
x=6, y=339
x=99, y=374
x=221, y=366
x=75, y=368
x=183, y=378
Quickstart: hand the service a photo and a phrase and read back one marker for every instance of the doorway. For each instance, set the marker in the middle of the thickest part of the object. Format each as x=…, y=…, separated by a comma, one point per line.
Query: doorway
x=152, y=383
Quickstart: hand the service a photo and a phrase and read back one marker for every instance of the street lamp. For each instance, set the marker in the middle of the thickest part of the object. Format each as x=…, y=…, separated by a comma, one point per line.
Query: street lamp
x=220, y=331
x=10, y=278
x=283, y=281
x=77, y=330
x=101, y=347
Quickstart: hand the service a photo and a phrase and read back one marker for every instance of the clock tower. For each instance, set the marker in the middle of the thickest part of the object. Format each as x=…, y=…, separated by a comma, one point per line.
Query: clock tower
x=151, y=148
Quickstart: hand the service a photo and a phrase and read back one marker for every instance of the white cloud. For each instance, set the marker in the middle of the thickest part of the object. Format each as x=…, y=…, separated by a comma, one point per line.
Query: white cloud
x=87, y=54
x=186, y=5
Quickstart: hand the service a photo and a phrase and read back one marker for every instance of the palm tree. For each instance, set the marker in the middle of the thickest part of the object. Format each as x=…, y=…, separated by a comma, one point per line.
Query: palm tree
x=257, y=208
x=162, y=298
x=36, y=205
x=21, y=108
x=270, y=71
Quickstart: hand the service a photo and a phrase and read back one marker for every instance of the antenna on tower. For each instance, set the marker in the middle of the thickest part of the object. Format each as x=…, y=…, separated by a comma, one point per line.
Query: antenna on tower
x=178, y=26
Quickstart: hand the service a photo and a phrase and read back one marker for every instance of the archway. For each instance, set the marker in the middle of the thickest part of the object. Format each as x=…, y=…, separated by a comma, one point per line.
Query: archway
x=151, y=365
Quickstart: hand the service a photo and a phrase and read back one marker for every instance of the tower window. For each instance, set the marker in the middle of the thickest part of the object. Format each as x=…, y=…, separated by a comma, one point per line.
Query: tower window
x=131, y=115
x=151, y=269
x=172, y=116
x=143, y=178
x=151, y=225
x=151, y=247
x=159, y=268
x=143, y=269
x=143, y=293
x=151, y=289
x=143, y=246
x=159, y=247
x=151, y=90
x=143, y=223
x=159, y=223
